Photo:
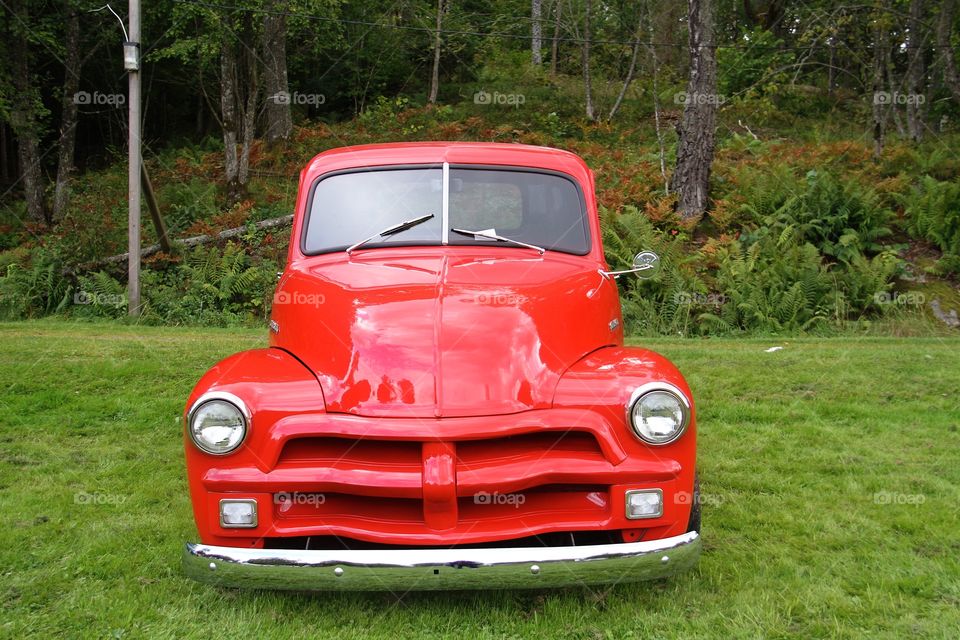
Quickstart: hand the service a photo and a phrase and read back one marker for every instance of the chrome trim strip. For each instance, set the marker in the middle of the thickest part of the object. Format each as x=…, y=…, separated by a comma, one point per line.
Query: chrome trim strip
x=434, y=569
x=617, y=274
x=445, y=210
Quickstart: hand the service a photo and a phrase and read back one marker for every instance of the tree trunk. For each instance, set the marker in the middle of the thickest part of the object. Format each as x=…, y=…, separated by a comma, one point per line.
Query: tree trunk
x=68, y=120
x=944, y=50
x=656, y=101
x=555, y=41
x=199, y=127
x=248, y=129
x=916, y=72
x=239, y=93
x=556, y=37
x=880, y=97
x=4, y=155
x=437, y=40
x=630, y=72
x=891, y=109
x=585, y=51
x=279, y=123
x=25, y=121
x=831, y=70
x=691, y=178
x=230, y=118
x=536, y=41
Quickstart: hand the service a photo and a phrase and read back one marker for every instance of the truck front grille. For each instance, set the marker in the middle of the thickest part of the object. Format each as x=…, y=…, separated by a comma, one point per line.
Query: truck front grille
x=373, y=480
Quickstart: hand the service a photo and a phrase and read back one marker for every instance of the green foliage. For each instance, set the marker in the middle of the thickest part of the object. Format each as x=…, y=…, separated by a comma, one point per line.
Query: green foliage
x=189, y=201
x=843, y=220
x=743, y=143
x=383, y=112
x=754, y=67
x=32, y=284
x=775, y=285
x=554, y=125
x=213, y=286
x=662, y=305
x=864, y=282
x=769, y=281
x=779, y=284
x=785, y=249
x=11, y=216
x=934, y=159
x=99, y=295
x=768, y=191
x=932, y=212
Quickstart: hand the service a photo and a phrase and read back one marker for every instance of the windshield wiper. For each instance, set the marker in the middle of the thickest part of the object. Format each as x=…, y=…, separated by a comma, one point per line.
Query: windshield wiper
x=490, y=235
x=391, y=230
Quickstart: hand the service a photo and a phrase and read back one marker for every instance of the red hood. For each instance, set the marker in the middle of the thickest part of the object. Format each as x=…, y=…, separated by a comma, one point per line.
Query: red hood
x=443, y=332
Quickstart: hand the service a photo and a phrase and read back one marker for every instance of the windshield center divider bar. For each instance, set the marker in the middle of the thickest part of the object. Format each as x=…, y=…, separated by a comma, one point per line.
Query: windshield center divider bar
x=446, y=203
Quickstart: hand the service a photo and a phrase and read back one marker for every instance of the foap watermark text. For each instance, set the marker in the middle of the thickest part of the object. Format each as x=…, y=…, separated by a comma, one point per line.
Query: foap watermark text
x=497, y=98
x=496, y=498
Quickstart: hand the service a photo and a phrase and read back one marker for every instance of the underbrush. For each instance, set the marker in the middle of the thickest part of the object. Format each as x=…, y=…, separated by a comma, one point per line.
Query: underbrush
x=803, y=236
x=791, y=254
x=229, y=285
x=932, y=212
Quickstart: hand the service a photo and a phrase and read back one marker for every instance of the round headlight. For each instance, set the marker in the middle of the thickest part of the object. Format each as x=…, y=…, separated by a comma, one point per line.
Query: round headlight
x=659, y=416
x=218, y=426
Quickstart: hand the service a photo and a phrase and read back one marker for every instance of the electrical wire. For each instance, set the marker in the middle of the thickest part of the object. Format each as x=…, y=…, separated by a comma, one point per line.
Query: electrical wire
x=500, y=34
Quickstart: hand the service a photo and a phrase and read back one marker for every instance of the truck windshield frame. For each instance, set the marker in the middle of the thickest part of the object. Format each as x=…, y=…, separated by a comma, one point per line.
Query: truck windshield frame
x=536, y=206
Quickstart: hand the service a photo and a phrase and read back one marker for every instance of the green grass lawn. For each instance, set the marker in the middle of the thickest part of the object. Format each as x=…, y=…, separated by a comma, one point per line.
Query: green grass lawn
x=830, y=473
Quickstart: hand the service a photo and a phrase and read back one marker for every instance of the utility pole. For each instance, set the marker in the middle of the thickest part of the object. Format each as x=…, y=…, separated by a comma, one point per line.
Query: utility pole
x=131, y=62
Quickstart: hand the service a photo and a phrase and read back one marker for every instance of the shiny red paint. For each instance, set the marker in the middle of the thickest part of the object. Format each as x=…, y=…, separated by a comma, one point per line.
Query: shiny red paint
x=417, y=392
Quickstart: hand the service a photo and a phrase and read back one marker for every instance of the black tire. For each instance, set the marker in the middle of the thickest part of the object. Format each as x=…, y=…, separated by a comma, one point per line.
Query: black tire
x=694, y=524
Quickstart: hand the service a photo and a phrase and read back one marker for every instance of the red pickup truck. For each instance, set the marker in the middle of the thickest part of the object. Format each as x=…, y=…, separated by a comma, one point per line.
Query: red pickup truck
x=446, y=401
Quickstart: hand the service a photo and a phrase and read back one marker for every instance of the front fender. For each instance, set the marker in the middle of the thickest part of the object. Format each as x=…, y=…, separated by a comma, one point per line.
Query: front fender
x=603, y=382
x=273, y=384
x=268, y=380
x=609, y=375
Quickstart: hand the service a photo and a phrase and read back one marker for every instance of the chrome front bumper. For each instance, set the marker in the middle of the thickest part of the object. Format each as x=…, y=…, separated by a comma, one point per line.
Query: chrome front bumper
x=432, y=569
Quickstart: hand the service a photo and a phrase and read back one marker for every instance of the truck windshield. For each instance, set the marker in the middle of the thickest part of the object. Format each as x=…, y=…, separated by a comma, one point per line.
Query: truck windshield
x=529, y=206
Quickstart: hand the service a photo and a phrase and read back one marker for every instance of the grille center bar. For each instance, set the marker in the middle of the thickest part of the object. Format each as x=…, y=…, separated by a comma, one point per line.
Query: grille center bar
x=440, y=485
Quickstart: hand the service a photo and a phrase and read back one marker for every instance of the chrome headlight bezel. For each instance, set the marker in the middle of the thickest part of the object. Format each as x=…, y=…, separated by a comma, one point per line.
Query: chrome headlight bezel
x=224, y=397
x=663, y=387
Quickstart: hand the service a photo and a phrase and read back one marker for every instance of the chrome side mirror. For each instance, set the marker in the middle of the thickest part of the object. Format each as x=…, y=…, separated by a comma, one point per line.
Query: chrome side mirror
x=646, y=265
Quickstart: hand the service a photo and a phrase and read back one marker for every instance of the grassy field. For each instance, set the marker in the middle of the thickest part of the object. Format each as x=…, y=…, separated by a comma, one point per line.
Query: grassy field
x=830, y=472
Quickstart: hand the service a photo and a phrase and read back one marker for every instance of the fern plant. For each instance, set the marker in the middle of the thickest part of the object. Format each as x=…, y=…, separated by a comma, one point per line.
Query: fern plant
x=101, y=295
x=32, y=284
x=766, y=192
x=865, y=281
x=664, y=304
x=774, y=285
x=843, y=220
x=932, y=212
x=212, y=286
